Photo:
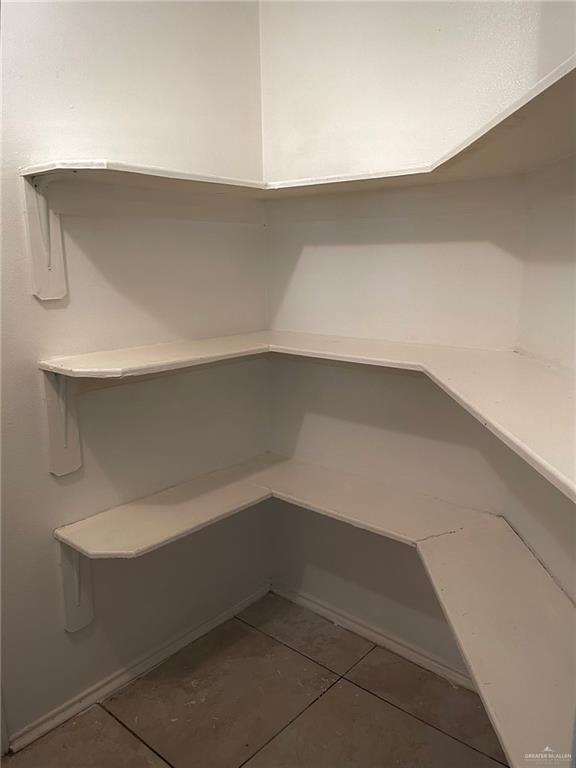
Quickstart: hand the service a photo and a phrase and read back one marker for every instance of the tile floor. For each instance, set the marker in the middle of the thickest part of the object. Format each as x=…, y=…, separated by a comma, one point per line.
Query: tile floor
x=277, y=687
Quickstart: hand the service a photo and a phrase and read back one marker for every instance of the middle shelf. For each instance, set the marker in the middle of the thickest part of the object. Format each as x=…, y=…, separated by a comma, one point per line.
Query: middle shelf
x=527, y=403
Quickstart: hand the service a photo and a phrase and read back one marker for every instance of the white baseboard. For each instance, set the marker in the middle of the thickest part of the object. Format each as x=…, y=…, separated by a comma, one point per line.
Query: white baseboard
x=394, y=644
x=122, y=677
x=144, y=664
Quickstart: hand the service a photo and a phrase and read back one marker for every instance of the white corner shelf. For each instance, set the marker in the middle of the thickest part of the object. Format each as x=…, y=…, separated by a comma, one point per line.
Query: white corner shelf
x=157, y=358
x=147, y=176
x=527, y=403
x=535, y=131
x=487, y=581
x=374, y=506
x=135, y=529
x=141, y=526
x=516, y=630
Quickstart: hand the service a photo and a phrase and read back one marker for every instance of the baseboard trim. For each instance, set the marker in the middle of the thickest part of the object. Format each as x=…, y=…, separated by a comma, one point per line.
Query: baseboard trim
x=391, y=643
x=122, y=677
x=144, y=664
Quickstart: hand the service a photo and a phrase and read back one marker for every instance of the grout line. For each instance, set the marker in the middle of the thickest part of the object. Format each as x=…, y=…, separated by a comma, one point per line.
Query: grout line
x=289, y=723
x=140, y=739
x=372, y=634
x=300, y=653
x=342, y=676
x=360, y=659
x=339, y=678
x=12, y=753
x=424, y=722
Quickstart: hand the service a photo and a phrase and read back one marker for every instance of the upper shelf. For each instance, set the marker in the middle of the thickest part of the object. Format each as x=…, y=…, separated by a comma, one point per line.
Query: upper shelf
x=524, y=137
x=527, y=403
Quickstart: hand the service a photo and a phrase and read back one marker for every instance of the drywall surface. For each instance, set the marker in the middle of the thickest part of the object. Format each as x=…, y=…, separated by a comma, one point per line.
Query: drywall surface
x=143, y=608
x=141, y=81
x=400, y=428
x=377, y=583
x=177, y=84
x=133, y=279
x=548, y=308
x=440, y=264
x=137, y=439
x=360, y=87
x=166, y=84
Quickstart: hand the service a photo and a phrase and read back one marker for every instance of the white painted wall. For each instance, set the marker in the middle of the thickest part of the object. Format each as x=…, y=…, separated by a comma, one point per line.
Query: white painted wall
x=85, y=79
x=371, y=584
x=438, y=264
x=167, y=84
x=400, y=428
x=548, y=307
x=132, y=280
x=487, y=263
x=360, y=87
x=146, y=82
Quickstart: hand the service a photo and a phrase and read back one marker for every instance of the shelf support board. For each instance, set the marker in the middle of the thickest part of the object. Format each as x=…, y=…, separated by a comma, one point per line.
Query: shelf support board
x=77, y=595
x=44, y=240
x=65, y=452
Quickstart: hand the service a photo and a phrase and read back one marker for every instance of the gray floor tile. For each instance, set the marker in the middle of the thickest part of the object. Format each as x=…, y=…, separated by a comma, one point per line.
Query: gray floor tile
x=350, y=728
x=91, y=740
x=306, y=632
x=456, y=711
x=217, y=701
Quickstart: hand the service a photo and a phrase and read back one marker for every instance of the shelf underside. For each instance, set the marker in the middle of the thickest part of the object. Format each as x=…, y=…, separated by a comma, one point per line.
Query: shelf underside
x=525, y=402
x=487, y=582
x=536, y=134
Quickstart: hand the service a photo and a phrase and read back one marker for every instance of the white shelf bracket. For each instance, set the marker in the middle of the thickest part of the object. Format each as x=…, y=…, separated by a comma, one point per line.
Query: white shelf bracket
x=77, y=596
x=45, y=241
x=63, y=429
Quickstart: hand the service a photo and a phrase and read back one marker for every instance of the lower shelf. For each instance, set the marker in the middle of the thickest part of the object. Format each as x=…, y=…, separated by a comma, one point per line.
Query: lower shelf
x=515, y=627
x=527, y=403
x=517, y=633
x=146, y=524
